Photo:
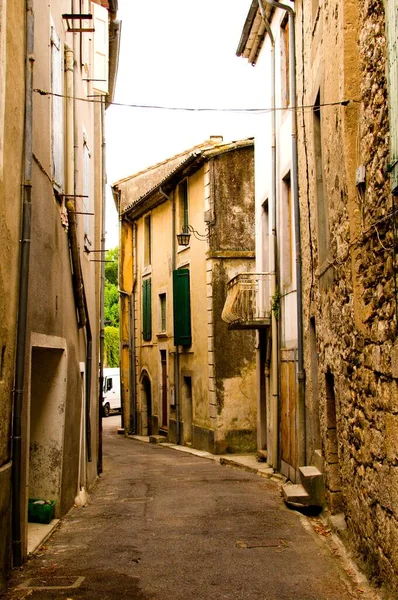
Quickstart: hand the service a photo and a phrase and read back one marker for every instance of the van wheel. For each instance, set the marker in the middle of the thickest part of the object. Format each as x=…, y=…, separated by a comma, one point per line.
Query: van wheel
x=106, y=409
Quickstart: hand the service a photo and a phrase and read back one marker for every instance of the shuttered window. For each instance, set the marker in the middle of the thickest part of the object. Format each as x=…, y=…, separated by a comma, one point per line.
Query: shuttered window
x=392, y=35
x=147, y=310
x=182, y=308
x=101, y=48
x=57, y=111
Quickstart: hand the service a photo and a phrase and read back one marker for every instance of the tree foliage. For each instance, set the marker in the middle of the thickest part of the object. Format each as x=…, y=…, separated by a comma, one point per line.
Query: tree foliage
x=111, y=309
x=111, y=346
x=111, y=267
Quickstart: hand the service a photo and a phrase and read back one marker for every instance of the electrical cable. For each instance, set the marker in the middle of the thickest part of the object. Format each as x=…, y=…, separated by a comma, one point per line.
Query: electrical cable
x=197, y=109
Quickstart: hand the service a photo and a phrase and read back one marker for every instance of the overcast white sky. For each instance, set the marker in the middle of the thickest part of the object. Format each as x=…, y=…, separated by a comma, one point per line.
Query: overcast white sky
x=177, y=53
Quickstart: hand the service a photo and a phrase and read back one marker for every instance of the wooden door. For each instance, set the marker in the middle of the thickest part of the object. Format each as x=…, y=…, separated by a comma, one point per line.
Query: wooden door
x=288, y=413
x=163, y=361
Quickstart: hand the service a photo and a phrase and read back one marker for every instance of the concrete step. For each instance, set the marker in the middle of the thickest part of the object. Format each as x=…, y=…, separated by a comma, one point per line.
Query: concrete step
x=158, y=439
x=295, y=495
x=312, y=481
x=318, y=460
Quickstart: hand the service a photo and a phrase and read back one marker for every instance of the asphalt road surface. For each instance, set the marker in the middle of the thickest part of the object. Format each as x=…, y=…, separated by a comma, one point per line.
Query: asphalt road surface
x=167, y=525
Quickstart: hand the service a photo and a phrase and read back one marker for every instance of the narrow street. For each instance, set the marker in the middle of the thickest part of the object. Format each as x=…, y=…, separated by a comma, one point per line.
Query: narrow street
x=163, y=525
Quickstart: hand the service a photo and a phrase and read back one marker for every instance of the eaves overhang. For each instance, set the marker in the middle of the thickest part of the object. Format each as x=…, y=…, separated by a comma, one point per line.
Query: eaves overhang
x=157, y=194
x=254, y=32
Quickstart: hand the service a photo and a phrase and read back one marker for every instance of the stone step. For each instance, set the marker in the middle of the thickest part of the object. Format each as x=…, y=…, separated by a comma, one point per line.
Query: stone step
x=318, y=460
x=295, y=495
x=312, y=481
x=158, y=439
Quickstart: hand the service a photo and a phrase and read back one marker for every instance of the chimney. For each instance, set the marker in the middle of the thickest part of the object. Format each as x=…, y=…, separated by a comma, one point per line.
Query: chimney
x=216, y=139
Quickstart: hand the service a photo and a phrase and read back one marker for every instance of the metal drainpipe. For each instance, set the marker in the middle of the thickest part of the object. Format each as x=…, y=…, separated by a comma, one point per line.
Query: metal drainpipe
x=176, y=355
x=133, y=374
x=102, y=291
x=296, y=203
x=18, y=392
x=72, y=148
x=131, y=325
x=274, y=388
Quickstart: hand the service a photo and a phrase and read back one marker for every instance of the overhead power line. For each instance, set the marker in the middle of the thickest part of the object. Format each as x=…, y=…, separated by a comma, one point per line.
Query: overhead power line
x=98, y=100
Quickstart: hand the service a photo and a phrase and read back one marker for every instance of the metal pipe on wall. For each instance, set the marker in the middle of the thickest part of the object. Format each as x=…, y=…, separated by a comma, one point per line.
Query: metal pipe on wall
x=176, y=354
x=296, y=204
x=102, y=290
x=273, y=427
x=18, y=393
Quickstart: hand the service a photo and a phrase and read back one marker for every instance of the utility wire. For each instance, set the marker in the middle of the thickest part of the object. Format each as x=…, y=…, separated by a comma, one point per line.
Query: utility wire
x=197, y=109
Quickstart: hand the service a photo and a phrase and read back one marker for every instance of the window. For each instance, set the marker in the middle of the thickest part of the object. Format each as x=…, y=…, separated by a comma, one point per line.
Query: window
x=86, y=192
x=287, y=232
x=147, y=310
x=322, y=209
x=182, y=308
x=3, y=15
x=183, y=205
x=101, y=48
x=285, y=63
x=57, y=111
x=162, y=312
x=147, y=241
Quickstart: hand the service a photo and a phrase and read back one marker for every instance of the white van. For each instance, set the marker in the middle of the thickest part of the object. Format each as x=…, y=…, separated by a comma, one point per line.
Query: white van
x=111, y=395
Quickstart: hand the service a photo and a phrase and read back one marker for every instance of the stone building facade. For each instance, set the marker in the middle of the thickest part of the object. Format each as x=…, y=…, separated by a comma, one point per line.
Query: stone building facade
x=349, y=266
x=184, y=375
x=51, y=219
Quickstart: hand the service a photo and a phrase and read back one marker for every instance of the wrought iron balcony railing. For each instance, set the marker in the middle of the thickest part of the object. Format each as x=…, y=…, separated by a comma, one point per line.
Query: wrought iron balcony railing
x=248, y=302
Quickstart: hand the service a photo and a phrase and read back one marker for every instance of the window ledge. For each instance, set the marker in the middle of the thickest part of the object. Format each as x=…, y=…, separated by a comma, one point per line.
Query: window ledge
x=162, y=335
x=183, y=248
x=146, y=270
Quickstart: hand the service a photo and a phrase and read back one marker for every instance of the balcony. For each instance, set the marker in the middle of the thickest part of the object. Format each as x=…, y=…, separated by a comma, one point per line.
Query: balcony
x=248, y=303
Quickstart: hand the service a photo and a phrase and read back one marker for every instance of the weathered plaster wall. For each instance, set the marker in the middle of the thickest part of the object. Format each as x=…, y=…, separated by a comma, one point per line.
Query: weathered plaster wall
x=232, y=246
x=351, y=299
x=12, y=44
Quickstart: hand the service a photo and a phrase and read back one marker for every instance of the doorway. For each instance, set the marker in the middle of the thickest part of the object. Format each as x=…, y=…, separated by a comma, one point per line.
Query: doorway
x=47, y=411
x=187, y=409
x=163, y=363
x=146, y=406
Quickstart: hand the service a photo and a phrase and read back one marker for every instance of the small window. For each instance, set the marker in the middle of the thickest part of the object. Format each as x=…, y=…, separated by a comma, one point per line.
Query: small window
x=109, y=384
x=147, y=310
x=183, y=206
x=147, y=241
x=285, y=63
x=287, y=249
x=162, y=307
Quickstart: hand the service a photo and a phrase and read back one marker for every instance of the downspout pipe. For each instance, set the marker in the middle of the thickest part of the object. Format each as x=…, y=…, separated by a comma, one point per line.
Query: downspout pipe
x=272, y=443
x=296, y=204
x=18, y=392
x=102, y=290
x=133, y=374
x=131, y=324
x=176, y=355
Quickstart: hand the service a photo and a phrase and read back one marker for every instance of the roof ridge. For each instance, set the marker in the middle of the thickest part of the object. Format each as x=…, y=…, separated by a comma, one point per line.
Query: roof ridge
x=202, y=146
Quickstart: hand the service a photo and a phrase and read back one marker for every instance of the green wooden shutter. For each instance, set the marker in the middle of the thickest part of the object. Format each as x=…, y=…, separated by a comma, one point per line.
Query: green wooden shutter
x=182, y=308
x=392, y=36
x=147, y=310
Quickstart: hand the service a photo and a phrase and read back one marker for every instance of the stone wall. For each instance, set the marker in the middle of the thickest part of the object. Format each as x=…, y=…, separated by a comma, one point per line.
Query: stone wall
x=350, y=303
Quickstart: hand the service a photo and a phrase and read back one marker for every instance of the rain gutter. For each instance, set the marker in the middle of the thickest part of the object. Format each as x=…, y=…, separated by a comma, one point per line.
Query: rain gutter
x=272, y=443
x=176, y=355
x=296, y=204
x=18, y=392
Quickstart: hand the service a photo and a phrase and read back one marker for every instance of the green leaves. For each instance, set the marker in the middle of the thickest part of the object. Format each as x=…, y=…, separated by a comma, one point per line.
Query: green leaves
x=111, y=310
